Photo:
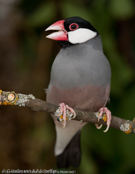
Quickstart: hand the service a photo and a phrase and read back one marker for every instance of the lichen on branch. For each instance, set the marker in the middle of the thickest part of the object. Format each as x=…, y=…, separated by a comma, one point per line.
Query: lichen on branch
x=12, y=98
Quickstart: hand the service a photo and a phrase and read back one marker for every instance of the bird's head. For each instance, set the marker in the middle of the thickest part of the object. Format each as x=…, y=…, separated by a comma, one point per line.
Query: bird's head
x=73, y=30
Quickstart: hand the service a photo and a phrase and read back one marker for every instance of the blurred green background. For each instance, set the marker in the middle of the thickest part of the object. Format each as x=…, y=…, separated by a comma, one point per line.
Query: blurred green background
x=27, y=138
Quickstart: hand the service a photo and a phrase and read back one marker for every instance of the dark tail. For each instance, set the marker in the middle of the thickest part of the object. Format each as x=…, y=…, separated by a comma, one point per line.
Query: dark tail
x=72, y=153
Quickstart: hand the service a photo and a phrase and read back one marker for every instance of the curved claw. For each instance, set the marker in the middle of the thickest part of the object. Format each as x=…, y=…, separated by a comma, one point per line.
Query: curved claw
x=98, y=127
x=71, y=110
x=106, y=128
x=108, y=115
x=63, y=109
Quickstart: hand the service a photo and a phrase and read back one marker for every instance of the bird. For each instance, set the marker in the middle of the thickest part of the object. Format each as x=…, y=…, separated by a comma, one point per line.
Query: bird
x=80, y=79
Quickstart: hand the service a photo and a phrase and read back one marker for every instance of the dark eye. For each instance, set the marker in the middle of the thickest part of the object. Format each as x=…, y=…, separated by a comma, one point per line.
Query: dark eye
x=73, y=26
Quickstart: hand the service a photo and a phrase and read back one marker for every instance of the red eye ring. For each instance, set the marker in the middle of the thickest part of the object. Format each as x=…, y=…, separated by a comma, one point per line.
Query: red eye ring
x=73, y=26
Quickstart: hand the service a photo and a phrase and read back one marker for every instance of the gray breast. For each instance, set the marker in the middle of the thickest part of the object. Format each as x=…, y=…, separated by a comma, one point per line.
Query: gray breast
x=81, y=65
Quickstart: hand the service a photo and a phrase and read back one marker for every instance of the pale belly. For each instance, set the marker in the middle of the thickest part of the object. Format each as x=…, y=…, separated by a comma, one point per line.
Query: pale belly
x=88, y=98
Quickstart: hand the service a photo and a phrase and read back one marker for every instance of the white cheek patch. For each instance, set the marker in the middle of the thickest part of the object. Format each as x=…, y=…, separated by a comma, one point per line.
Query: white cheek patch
x=80, y=35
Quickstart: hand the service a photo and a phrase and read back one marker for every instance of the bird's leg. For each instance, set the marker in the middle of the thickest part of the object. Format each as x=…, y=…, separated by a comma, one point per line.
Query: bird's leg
x=106, y=115
x=65, y=113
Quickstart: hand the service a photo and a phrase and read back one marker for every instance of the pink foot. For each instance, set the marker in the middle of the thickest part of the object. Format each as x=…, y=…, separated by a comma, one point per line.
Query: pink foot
x=108, y=115
x=63, y=109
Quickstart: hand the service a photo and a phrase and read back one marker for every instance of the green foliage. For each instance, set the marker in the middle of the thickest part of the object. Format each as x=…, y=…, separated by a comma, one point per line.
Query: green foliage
x=122, y=8
x=70, y=8
x=114, y=151
x=107, y=153
x=42, y=15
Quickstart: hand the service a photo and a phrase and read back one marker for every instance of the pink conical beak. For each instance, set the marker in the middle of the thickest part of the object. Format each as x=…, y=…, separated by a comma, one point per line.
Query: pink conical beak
x=61, y=34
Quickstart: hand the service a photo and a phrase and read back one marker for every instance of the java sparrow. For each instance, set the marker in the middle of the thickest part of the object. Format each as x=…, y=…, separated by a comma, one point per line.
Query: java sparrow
x=80, y=79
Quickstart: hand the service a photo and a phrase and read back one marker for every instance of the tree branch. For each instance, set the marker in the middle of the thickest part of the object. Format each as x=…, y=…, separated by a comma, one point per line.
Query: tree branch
x=12, y=98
